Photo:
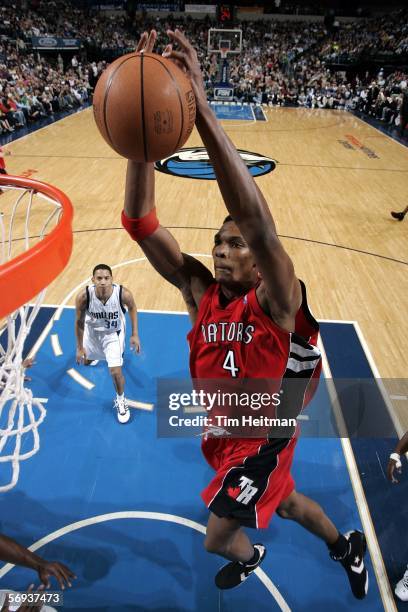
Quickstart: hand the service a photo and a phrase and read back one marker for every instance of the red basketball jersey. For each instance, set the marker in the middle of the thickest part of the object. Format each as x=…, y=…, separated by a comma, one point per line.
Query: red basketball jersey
x=237, y=340
x=241, y=341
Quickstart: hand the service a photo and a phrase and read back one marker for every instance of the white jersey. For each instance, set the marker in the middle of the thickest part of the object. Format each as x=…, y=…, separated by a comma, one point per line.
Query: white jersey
x=108, y=317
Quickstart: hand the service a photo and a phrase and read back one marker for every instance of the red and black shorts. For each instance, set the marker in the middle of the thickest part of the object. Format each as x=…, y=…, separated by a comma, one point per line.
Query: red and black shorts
x=252, y=478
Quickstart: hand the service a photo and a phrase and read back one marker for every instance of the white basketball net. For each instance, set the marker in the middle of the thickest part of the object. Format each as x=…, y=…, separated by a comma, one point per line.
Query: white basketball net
x=20, y=412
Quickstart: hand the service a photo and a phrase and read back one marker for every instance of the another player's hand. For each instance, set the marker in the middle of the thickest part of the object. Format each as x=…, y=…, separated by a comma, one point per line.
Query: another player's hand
x=61, y=573
x=187, y=58
x=135, y=344
x=391, y=468
x=28, y=362
x=80, y=356
x=146, y=42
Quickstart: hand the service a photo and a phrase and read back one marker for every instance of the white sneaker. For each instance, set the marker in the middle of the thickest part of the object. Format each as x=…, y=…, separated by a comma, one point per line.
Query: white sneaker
x=122, y=410
x=401, y=588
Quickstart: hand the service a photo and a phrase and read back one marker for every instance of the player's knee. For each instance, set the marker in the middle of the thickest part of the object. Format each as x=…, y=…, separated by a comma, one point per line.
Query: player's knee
x=283, y=512
x=211, y=545
x=116, y=373
x=288, y=509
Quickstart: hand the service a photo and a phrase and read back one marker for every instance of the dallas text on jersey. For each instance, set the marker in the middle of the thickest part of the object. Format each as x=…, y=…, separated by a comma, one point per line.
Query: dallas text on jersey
x=104, y=315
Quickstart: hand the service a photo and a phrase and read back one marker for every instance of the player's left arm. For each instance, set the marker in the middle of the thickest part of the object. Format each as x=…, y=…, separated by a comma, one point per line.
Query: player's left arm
x=129, y=301
x=280, y=291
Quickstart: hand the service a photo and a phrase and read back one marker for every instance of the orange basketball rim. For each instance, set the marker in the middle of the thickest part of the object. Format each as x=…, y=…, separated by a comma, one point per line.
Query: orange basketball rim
x=24, y=276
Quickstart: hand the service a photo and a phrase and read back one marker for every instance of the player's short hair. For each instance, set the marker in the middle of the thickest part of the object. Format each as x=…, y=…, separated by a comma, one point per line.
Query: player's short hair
x=228, y=219
x=102, y=267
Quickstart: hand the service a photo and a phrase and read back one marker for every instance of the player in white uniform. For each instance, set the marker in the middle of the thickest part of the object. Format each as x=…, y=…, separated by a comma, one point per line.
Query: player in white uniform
x=100, y=329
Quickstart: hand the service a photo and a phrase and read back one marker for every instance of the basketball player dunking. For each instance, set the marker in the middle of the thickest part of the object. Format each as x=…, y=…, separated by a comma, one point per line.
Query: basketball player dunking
x=100, y=329
x=254, y=289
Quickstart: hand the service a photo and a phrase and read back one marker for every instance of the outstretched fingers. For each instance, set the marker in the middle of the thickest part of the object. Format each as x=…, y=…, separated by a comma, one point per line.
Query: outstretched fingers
x=142, y=42
x=186, y=57
x=146, y=42
x=151, y=41
x=178, y=37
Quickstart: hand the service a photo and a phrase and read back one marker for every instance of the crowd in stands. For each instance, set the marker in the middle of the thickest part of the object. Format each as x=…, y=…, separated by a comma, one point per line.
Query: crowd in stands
x=281, y=63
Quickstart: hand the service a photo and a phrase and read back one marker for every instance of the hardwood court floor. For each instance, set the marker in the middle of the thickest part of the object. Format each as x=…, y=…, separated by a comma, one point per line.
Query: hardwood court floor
x=331, y=194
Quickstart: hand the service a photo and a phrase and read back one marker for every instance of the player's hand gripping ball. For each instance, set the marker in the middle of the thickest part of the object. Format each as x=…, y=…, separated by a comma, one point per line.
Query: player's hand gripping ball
x=144, y=106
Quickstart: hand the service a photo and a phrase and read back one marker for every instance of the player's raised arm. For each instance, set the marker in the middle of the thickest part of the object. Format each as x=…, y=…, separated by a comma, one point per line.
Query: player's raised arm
x=241, y=195
x=140, y=220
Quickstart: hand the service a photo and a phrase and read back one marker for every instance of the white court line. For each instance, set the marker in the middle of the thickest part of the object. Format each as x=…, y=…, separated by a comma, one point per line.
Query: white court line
x=80, y=379
x=56, y=347
x=377, y=560
x=398, y=427
x=398, y=397
x=155, y=516
x=336, y=321
x=139, y=405
x=263, y=112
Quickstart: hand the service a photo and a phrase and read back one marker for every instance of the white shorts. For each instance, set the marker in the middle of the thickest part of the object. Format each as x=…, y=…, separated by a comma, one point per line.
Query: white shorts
x=107, y=346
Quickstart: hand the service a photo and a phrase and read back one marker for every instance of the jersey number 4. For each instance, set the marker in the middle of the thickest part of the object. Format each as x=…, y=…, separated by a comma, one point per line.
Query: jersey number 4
x=229, y=364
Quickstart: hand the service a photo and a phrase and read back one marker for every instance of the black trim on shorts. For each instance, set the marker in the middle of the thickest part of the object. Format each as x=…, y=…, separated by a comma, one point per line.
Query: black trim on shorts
x=256, y=468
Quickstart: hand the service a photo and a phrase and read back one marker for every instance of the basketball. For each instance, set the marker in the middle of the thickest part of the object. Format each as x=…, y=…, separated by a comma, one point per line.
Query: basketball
x=144, y=107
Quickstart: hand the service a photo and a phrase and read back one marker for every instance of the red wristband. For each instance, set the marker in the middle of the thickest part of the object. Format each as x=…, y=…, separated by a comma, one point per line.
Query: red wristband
x=141, y=228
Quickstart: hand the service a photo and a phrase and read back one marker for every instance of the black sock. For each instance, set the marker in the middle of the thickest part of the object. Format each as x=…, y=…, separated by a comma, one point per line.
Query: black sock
x=254, y=559
x=340, y=547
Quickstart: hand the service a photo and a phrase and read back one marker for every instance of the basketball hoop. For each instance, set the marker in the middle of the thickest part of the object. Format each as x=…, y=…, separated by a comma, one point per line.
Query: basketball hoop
x=30, y=209
x=224, y=52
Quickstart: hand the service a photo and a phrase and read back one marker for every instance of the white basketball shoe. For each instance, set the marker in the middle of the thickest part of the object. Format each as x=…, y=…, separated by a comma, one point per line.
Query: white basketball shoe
x=401, y=588
x=122, y=410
